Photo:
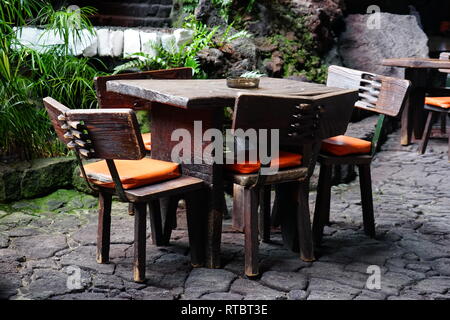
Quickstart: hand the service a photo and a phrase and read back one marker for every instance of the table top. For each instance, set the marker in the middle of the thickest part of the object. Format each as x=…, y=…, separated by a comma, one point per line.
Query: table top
x=211, y=93
x=419, y=63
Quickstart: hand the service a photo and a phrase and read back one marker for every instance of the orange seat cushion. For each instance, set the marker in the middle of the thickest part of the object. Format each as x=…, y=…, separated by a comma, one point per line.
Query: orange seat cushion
x=443, y=102
x=285, y=160
x=345, y=145
x=132, y=173
x=147, y=137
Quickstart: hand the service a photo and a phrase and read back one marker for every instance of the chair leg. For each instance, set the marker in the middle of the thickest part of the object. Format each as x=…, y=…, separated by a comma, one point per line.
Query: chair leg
x=304, y=223
x=264, y=213
x=322, y=206
x=131, y=209
x=275, y=219
x=169, y=208
x=251, y=232
x=365, y=184
x=443, y=123
x=156, y=223
x=238, y=208
x=104, y=227
x=197, y=227
x=426, y=132
x=140, y=233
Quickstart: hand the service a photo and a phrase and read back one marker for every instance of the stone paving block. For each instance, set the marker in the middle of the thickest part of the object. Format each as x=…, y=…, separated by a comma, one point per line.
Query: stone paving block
x=284, y=281
x=202, y=281
x=433, y=285
x=222, y=296
x=322, y=289
x=252, y=290
x=84, y=257
x=41, y=246
x=131, y=42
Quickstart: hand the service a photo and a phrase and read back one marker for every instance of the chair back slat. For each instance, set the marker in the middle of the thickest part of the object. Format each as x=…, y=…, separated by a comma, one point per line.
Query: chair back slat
x=114, y=100
x=444, y=56
x=377, y=93
x=98, y=133
x=57, y=114
x=301, y=120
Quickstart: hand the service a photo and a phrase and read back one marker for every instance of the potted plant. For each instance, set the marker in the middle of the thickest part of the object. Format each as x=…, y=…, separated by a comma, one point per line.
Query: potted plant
x=247, y=80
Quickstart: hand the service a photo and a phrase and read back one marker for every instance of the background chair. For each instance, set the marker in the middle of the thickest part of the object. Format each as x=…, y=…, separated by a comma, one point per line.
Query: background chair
x=437, y=106
x=302, y=123
x=108, y=99
x=113, y=135
x=379, y=94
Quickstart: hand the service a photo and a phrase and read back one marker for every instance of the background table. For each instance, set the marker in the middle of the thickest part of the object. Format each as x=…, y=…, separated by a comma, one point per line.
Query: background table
x=417, y=71
x=177, y=104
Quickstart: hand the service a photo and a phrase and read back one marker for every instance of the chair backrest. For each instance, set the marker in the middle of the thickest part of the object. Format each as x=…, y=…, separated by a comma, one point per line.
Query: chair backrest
x=114, y=100
x=377, y=93
x=300, y=119
x=97, y=133
x=444, y=56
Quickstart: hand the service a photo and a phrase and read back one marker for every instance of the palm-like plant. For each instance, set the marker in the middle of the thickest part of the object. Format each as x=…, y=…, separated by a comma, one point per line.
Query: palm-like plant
x=26, y=76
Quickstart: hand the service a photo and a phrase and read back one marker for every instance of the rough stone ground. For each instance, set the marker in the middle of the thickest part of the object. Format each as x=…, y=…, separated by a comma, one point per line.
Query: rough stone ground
x=40, y=245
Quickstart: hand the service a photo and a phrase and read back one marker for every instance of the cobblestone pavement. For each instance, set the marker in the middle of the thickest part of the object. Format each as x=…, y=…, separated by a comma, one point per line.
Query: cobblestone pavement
x=412, y=248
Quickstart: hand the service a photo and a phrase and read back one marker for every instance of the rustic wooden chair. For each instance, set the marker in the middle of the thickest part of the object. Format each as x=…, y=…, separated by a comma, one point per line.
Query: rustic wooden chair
x=302, y=123
x=379, y=94
x=437, y=106
x=108, y=99
x=113, y=135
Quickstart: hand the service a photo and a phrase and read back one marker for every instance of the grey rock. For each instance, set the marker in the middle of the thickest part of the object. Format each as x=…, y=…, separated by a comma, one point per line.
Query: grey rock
x=202, y=281
x=252, y=290
x=322, y=289
x=41, y=246
x=222, y=296
x=4, y=240
x=398, y=36
x=442, y=266
x=433, y=285
x=47, y=283
x=297, y=295
x=84, y=257
x=9, y=284
x=284, y=281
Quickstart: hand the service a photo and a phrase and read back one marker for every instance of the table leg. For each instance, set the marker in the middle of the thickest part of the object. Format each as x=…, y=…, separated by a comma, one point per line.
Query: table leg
x=215, y=216
x=413, y=116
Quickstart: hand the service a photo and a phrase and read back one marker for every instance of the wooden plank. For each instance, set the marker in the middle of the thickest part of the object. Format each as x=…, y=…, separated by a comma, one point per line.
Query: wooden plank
x=114, y=132
x=114, y=100
x=377, y=93
x=103, y=227
x=212, y=93
x=417, y=63
x=164, y=189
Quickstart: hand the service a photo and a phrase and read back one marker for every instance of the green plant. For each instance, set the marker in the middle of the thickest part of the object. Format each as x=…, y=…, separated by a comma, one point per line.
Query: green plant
x=252, y=74
x=26, y=76
x=171, y=56
x=189, y=6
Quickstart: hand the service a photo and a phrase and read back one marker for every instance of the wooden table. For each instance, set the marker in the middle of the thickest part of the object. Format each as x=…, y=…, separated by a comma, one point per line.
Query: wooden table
x=177, y=104
x=417, y=71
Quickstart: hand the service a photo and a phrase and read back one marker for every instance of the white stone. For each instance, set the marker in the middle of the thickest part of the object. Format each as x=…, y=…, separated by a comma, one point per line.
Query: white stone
x=148, y=42
x=168, y=42
x=131, y=42
x=116, y=40
x=78, y=45
x=103, y=43
x=28, y=37
x=183, y=36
